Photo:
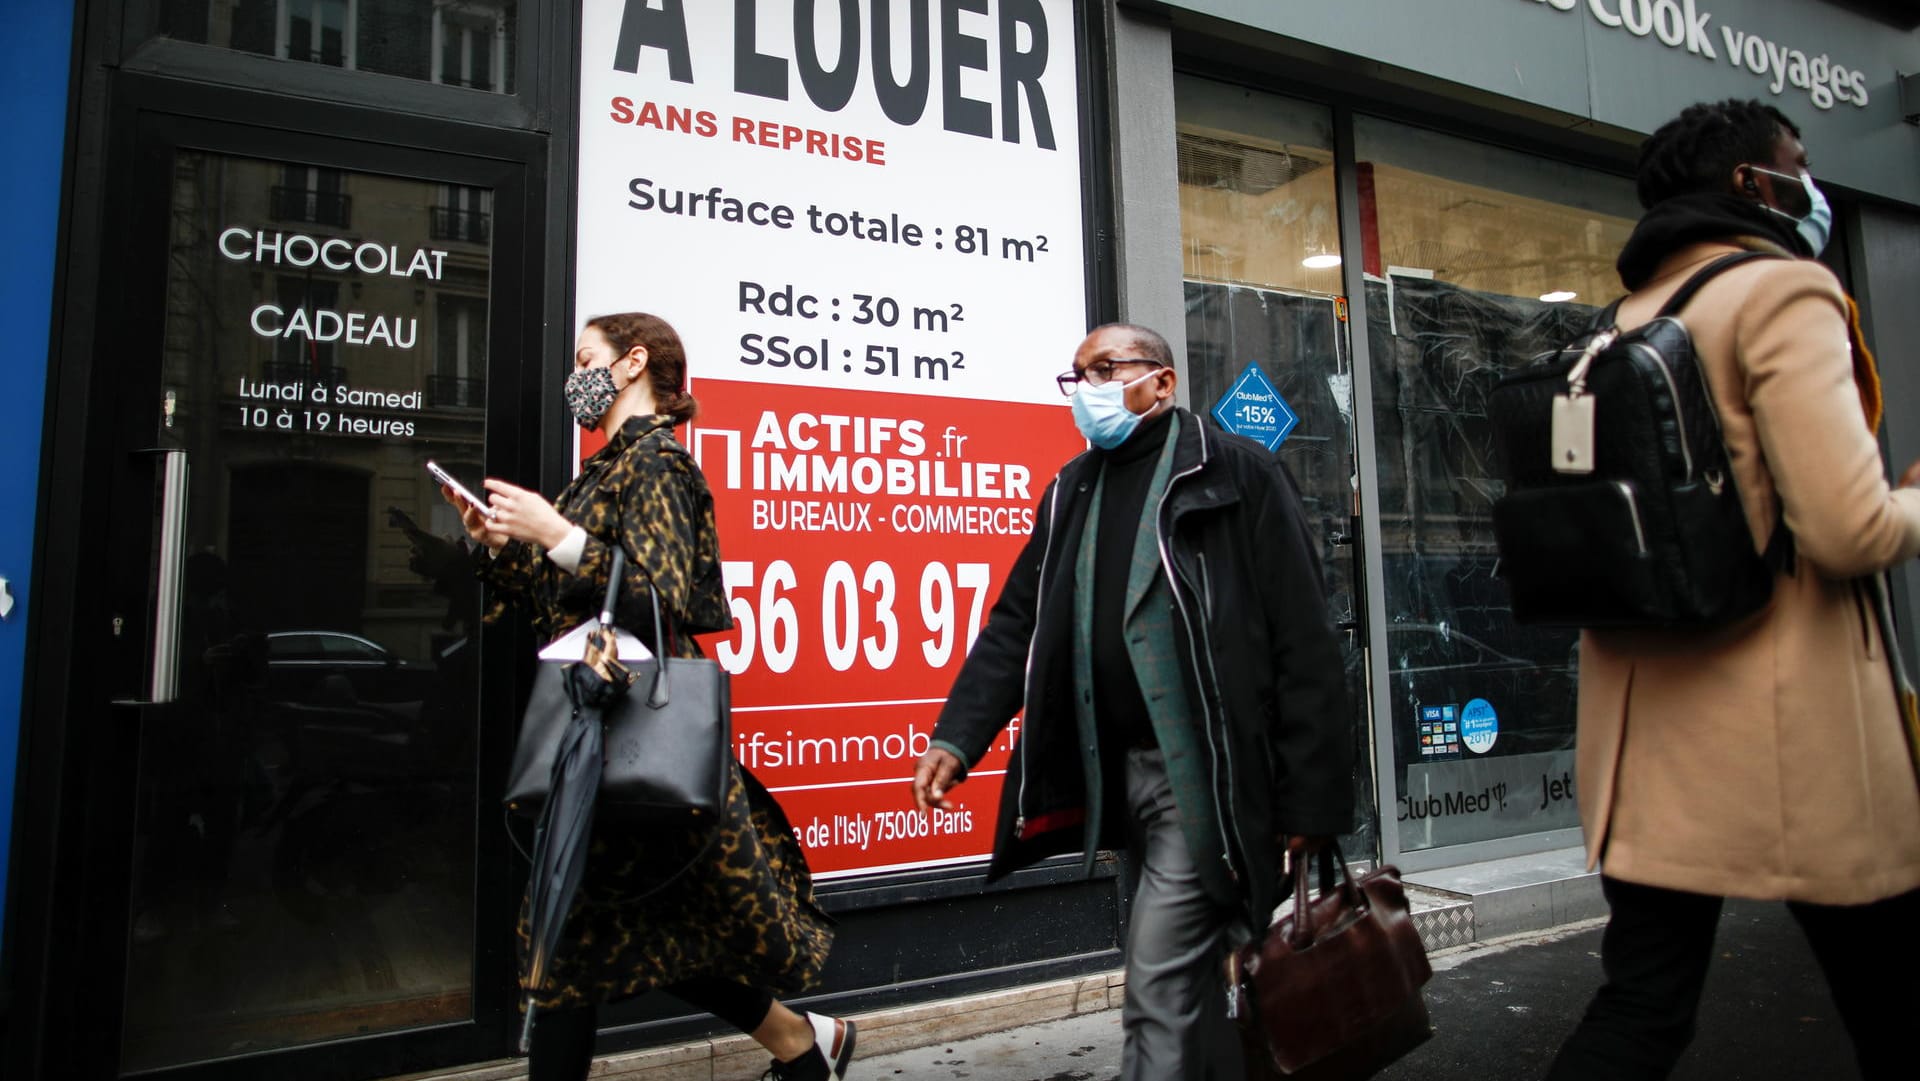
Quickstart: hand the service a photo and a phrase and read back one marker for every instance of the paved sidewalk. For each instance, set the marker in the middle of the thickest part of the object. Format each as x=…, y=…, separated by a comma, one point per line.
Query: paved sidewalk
x=1499, y=1012
x=1083, y=1048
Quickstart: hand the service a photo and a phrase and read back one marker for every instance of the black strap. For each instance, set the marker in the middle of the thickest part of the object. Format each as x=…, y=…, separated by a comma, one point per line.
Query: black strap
x=1779, y=554
x=1609, y=316
x=1705, y=274
x=1605, y=317
x=658, y=696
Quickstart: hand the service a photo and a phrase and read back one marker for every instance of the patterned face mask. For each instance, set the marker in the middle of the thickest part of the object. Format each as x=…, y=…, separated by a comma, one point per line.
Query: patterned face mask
x=590, y=393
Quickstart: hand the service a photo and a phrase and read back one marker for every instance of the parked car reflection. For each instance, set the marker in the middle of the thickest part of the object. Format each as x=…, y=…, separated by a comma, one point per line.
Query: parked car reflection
x=346, y=745
x=301, y=664
x=1433, y=665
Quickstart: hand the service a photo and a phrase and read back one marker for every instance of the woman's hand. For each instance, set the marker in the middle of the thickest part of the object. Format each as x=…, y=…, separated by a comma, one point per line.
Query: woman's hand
x=479, y=529
x=524, y=515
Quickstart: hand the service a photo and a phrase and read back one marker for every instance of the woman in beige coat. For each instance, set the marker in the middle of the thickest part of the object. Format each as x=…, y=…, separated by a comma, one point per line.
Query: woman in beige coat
x=1765, y=759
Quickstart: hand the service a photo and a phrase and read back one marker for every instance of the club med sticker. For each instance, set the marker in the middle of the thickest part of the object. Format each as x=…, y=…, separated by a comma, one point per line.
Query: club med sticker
x=1479, y=726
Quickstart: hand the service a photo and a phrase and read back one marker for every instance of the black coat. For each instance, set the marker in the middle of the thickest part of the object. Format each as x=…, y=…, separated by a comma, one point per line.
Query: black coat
x=1257, y=650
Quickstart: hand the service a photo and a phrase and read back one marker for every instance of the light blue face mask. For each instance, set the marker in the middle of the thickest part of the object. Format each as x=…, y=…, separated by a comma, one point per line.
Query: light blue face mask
x=1816, y=228
x=1102, y=415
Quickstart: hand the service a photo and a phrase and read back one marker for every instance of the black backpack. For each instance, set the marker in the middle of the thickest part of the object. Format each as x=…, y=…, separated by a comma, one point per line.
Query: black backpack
x=1620, y=510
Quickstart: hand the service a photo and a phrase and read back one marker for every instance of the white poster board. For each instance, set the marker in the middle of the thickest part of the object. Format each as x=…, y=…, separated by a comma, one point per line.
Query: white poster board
x=865, y=219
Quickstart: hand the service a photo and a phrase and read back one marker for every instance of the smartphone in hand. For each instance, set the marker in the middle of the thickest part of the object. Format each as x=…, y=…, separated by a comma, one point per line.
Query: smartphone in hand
x=459, y=489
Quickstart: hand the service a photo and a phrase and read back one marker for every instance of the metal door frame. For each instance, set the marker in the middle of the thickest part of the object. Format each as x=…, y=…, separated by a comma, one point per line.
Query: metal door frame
x=79, y=766
x=1353, y=272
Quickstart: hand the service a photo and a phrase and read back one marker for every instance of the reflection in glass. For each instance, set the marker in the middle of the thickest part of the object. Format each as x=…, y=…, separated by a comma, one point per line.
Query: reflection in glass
x=466, y=43
x=1462, y=242
x=305, y=846
x=1256, y=189
x=1253, y=208
x=309, y=194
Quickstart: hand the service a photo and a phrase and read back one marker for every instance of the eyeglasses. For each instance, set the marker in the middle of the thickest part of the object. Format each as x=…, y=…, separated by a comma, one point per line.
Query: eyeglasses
x=1100, y=371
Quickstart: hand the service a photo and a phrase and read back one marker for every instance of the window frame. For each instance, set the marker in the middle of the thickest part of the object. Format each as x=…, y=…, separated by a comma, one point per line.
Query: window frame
x=140, y=47
x=1312, y=79
x=151, y=119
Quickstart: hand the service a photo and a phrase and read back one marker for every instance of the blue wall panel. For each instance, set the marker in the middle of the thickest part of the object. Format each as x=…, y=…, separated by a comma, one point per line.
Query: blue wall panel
x=35, y=53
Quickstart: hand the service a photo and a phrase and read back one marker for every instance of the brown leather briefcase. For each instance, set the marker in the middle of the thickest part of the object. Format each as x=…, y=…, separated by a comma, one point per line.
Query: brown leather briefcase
x=1333, y=990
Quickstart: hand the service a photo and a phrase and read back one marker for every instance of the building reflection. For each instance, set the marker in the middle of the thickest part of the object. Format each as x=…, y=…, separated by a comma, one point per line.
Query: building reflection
x=305, y=832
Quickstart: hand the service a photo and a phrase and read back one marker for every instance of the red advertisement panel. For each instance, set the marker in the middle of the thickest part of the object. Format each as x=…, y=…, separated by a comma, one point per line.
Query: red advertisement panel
x=865, y=537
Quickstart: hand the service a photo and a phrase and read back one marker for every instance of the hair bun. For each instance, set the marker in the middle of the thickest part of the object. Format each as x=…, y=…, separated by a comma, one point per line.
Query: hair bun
x=681, y=406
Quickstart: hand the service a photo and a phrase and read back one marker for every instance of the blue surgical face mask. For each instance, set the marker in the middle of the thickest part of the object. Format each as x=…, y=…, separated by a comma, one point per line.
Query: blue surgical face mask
x=1102, y=415
x=1816, y=226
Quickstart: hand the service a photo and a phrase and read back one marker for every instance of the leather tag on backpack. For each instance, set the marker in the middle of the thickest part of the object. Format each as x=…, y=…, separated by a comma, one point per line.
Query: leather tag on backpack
x=1573, y=433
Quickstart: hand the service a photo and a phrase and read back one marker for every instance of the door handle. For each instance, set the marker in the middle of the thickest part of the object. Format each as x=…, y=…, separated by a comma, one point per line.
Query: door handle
x=163, y=681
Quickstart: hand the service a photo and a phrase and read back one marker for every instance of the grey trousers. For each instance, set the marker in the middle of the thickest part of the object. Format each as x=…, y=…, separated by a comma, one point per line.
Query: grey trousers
x=1174, y=1018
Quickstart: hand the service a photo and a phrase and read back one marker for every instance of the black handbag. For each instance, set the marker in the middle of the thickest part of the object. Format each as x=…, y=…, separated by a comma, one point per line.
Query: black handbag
x=1332, y=993
x=666, y=750
x=1620, y=508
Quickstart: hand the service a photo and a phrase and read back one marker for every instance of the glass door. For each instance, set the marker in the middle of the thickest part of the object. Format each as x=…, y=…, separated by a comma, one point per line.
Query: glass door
x=306, y=847
x=1477, y=260
x=1268, y=351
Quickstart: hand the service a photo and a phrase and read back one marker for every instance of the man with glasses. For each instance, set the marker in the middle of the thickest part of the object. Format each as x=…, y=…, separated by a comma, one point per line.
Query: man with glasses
x=1166, y=633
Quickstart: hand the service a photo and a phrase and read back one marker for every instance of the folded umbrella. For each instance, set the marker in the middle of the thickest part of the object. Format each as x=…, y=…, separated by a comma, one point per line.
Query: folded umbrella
x=566, y=822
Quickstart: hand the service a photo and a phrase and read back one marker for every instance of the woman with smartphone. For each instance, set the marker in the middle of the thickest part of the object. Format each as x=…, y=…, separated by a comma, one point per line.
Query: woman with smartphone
x=738, y=928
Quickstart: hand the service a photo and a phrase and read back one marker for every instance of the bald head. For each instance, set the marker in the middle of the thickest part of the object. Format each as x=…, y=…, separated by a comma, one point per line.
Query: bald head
x=1139, y=341
x=1134, y=355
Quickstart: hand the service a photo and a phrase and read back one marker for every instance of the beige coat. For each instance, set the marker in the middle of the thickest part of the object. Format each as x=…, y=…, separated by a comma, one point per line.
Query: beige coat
x=1765, y=759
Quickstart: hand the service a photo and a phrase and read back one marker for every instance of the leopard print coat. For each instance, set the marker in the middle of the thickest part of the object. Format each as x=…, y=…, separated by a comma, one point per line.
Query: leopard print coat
x=746, y=910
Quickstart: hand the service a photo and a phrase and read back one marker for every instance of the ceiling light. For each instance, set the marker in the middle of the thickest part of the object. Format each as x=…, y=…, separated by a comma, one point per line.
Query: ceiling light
x=1558, y=296
x=1320, y=262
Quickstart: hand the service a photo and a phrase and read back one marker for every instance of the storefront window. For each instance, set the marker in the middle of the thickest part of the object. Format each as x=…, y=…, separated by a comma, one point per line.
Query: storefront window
x=466, y=43
x=1259, y=232
x=305, y=847
x=1477, y=259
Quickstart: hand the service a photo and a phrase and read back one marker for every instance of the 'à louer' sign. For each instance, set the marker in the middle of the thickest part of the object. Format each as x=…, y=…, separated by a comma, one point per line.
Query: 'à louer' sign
x=865, y=220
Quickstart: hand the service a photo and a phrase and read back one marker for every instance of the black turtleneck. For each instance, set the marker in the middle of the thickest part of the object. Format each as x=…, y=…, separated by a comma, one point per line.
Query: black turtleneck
x=1127, y=473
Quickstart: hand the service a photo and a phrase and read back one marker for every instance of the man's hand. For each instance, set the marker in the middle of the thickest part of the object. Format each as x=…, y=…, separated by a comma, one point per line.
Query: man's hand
x=1301, y=849
x=1299, y=845
x=935, y=773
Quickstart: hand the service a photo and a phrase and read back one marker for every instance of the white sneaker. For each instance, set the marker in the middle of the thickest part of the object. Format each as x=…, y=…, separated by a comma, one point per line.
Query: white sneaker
x=834, y=1036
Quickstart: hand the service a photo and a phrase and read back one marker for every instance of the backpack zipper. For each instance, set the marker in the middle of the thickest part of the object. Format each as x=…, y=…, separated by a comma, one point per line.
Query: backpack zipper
x=1633, y=513
x=1673, y=389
